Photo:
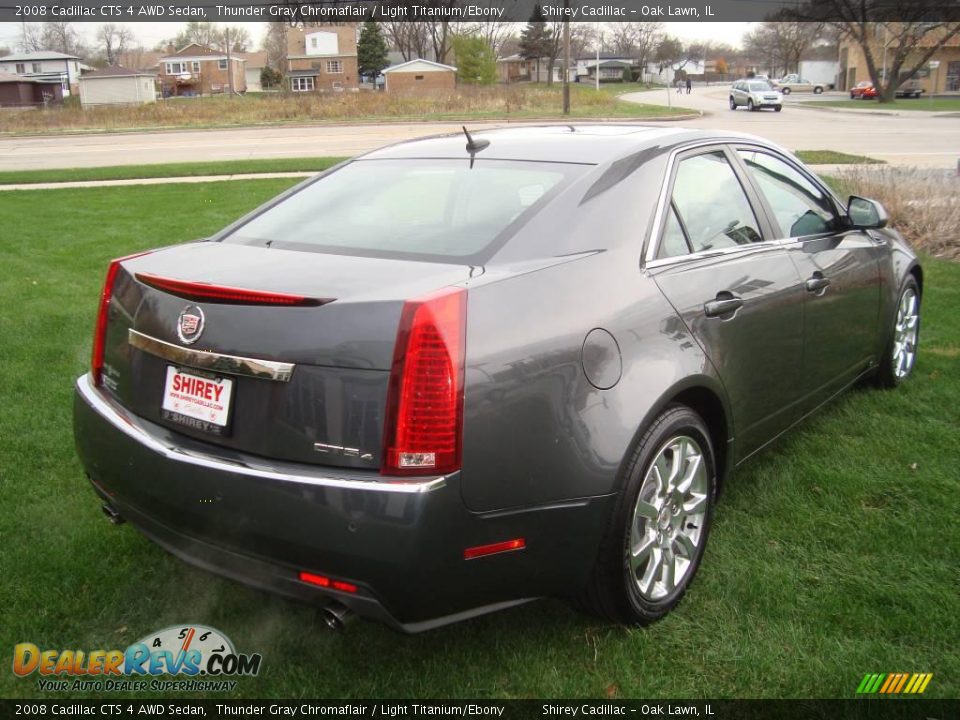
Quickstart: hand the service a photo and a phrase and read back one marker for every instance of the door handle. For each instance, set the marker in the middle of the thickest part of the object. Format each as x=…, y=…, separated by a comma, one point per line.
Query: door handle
x=725, y=304
x=817, y=283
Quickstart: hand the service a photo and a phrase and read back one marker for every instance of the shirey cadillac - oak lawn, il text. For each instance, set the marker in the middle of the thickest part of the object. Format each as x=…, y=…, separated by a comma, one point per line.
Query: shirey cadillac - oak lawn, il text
x=440, y=380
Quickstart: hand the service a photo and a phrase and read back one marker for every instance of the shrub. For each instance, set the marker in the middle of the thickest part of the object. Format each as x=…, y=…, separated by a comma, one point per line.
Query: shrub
x=923, y=204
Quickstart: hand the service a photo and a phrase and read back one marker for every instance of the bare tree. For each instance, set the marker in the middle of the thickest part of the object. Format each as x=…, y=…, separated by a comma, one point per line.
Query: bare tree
x=410, y=39
x=62, y=37
x=114, y=40
x=781, y=44
x=904, y=28
x=494, y=33
x=275, y=45
x=31, y=37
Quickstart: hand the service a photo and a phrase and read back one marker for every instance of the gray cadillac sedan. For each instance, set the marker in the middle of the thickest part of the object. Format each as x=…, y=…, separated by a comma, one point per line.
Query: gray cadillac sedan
x=460, y=373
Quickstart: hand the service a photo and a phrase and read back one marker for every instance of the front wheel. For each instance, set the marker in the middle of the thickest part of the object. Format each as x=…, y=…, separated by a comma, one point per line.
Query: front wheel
x=778, y=108
x=817, y=90
x=901, y=354
x=659, y=530
x=785, y=91
x=733, y=103
x=750, y=106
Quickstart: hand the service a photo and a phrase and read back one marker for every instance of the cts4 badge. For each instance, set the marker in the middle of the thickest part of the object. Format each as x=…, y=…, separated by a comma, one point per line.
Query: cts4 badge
x=190, y=324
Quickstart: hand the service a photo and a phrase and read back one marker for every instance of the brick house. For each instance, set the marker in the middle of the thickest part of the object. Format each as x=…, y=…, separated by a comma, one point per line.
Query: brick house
x=417, y=76
x=201, y=70
x=944, y=78
x=322, y=58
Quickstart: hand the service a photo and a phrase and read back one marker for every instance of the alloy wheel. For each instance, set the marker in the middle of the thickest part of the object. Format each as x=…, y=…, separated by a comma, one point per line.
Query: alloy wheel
x=669, y=519
x=905, y=334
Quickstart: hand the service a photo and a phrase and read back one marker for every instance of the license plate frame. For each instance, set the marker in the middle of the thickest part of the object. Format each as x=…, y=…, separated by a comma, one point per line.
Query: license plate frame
x=191, y=398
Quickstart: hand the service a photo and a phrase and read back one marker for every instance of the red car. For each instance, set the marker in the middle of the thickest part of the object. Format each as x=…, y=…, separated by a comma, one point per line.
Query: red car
x=863, y=90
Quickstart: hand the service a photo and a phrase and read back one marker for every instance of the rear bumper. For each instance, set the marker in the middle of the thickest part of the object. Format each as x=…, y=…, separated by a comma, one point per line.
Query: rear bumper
x=262, y=522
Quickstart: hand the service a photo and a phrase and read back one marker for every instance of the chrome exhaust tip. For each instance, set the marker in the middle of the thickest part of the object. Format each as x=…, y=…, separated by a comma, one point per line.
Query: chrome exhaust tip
x=336, y=615
x=110, y=512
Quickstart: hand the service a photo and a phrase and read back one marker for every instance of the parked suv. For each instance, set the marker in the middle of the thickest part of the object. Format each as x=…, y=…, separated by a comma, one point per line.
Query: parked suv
x=909, y=89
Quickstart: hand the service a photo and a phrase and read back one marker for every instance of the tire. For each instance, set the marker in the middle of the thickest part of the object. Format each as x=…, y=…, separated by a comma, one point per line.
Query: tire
x=750, y=106
x=900, y=355
x=733, y=103
x=778, y=108
x=785, y=91
x=818, y=91
x=852, y=96
x=666, y=531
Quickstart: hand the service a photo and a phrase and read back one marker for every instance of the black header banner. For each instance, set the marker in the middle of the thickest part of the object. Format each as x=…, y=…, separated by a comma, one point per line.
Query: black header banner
x=119, y=709
x=329, y=11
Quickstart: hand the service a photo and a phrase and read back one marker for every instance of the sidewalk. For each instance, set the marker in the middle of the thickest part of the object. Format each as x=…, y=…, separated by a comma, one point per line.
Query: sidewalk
x=154, y=181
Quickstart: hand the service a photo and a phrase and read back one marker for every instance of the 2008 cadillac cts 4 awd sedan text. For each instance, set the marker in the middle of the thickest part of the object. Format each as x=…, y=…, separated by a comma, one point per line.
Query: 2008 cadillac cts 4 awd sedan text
x=441, y=380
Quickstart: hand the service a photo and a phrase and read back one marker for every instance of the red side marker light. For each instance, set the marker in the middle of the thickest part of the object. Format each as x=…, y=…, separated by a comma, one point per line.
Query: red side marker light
x=324, y=581
x=314, y=579
x=494, y=548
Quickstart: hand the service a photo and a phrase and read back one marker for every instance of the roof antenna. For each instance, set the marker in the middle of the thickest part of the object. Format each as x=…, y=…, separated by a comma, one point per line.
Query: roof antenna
x=474, y=146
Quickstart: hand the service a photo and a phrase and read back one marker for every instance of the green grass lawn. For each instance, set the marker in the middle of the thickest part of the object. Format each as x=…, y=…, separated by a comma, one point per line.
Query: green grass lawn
x=820, y=157
x=834, y=554
x=922, y=103
x=168, y=170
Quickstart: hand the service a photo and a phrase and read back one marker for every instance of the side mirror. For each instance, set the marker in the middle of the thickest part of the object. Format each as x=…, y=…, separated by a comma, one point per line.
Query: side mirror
x=866, y=214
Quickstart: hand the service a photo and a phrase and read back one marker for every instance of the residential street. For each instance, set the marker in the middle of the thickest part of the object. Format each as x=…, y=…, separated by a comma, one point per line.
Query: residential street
x=907, y=138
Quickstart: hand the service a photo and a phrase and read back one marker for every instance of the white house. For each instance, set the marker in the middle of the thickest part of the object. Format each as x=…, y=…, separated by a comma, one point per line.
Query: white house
x=45, y=66
x=667, y=75
x=117, y=86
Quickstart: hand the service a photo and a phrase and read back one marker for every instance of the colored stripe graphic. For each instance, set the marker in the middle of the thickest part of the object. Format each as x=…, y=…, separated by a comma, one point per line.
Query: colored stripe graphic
x=894, y=683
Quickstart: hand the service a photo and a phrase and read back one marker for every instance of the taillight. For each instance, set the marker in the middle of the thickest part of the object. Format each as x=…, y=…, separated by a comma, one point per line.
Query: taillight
x=425, y=400
x=100, y=331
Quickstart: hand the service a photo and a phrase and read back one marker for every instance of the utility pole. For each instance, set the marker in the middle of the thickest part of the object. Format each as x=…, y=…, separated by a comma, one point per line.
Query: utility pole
x=596, y=68
x=566, y=60
x=229, y=62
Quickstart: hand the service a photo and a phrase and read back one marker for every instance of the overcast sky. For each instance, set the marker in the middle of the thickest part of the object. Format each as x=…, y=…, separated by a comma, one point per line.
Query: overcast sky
x=149, y=34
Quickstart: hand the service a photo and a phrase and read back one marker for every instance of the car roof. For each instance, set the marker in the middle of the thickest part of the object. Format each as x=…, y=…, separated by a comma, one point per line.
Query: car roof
x=574, y=143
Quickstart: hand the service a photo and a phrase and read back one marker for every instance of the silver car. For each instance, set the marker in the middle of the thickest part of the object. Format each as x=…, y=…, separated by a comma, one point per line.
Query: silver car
x=755, y=95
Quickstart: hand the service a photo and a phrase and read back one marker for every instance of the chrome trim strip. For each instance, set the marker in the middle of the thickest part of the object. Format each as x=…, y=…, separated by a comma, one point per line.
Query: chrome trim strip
x=217, y=362
x=128, y=425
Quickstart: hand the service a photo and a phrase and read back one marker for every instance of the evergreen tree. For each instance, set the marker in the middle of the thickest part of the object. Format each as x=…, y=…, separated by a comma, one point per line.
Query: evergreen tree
x=476, y=63
x=535, y=40
x=371, y=50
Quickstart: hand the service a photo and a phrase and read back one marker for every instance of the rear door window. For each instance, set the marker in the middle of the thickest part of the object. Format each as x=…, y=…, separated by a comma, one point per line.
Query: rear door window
x=712, y=205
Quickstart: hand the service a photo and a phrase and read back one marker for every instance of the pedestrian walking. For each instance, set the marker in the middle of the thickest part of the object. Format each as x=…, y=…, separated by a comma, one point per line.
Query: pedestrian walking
x=689, y=85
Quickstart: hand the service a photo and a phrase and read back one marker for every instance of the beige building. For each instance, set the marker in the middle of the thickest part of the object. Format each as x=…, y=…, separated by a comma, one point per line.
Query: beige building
x=945, y=77
x=117, y=86
x=322, y=58
x=420, y=76
x=201, y=70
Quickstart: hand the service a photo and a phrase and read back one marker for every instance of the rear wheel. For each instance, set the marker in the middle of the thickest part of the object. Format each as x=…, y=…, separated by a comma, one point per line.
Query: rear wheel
x=733, y=103
x=817, y=90
x=656, y=539
x=901, y=353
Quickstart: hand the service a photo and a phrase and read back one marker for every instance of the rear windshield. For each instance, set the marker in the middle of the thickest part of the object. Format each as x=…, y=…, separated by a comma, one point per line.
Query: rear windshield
x=439, y=210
